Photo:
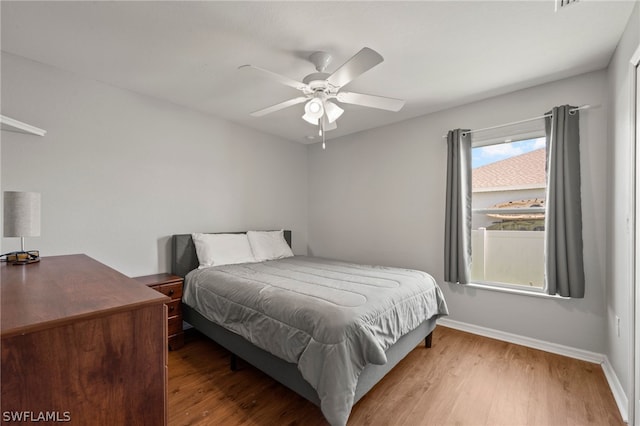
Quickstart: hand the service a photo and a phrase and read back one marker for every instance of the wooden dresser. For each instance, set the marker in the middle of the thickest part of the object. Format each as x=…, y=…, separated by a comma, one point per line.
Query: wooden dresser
x=81, y=343
x=171, y=286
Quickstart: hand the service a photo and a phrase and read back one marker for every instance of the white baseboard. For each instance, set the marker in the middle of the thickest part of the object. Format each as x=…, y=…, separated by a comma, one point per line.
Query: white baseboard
x=524, y=341
x=616, y=388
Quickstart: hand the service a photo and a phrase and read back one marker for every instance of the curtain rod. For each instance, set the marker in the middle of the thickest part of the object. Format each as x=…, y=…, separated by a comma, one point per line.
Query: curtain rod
x=522, y=121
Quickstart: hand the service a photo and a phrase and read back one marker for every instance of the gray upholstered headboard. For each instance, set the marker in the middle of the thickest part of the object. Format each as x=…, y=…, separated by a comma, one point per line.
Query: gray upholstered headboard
x=183, y=253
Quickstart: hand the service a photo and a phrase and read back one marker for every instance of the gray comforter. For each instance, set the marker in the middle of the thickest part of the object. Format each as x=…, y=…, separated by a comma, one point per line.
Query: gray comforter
x=330, y=318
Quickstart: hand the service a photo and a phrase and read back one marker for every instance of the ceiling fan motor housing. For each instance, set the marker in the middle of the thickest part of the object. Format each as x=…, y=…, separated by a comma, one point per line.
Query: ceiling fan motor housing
x=317, y=81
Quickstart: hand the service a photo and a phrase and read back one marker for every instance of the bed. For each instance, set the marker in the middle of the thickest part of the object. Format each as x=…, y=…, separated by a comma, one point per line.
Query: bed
x=360, y=360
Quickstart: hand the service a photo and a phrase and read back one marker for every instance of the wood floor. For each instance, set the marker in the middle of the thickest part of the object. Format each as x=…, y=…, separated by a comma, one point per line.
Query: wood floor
x=463, y=379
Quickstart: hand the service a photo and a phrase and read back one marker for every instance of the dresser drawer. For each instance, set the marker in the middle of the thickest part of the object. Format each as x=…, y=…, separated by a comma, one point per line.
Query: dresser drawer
x=175, y=325
x=173, y=290
x=174, y=308
x=176, y=341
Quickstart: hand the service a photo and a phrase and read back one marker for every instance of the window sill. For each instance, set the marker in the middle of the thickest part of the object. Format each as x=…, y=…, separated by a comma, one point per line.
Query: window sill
x=515, y=291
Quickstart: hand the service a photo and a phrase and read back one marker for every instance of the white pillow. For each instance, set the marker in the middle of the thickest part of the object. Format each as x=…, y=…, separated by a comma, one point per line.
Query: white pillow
x=268, y=245
x=222, y=249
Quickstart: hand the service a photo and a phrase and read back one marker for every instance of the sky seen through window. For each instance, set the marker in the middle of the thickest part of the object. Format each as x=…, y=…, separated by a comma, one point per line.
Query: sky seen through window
x=481, y=156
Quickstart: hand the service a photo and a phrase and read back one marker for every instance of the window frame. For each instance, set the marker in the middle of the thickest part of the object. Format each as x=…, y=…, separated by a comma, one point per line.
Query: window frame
x=513, y=136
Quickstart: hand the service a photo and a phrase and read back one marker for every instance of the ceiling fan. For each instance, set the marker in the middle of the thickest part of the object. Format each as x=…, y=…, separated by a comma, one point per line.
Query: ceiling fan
x=320, y=88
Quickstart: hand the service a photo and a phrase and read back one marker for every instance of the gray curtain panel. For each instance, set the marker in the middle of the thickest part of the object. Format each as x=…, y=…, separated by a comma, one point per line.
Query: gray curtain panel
x=457, y=238
x=564, y=266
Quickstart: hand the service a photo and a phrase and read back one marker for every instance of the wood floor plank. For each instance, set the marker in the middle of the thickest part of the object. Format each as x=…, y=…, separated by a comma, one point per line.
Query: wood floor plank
x=464, y=379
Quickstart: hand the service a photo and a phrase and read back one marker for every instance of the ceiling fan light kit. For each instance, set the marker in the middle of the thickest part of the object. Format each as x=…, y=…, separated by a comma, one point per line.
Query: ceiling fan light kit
x=320, y=87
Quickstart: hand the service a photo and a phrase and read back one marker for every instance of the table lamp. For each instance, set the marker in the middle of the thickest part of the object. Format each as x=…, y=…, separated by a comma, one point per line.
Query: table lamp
x=22, y=219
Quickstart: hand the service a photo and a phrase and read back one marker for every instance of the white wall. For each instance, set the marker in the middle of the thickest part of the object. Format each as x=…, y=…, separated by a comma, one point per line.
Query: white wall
x=378, y=197
x=120, y=172
x=620, y=261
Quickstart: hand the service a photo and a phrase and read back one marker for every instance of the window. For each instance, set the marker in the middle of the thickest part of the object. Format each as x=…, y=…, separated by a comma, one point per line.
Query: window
x=508, y=211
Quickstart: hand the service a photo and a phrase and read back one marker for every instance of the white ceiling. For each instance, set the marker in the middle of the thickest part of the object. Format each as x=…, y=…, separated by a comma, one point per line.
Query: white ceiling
x=437, y=54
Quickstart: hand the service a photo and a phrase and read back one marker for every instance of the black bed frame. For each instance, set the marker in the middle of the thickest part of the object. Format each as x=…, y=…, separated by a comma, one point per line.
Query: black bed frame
x=184, y=260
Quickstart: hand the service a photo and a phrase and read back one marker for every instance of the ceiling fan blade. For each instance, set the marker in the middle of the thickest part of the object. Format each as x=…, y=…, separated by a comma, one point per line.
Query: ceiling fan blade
x=361, y=62
x=280, y=78
x=371, y=101
x=277, y=107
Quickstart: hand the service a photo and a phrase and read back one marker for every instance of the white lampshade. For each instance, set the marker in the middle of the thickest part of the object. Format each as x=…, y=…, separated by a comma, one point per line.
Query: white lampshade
x=313, y=110
x=21, y=214
x=333, y=111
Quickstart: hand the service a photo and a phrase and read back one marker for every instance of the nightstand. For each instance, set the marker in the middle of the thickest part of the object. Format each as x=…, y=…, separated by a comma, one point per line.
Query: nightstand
x=169, y=285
